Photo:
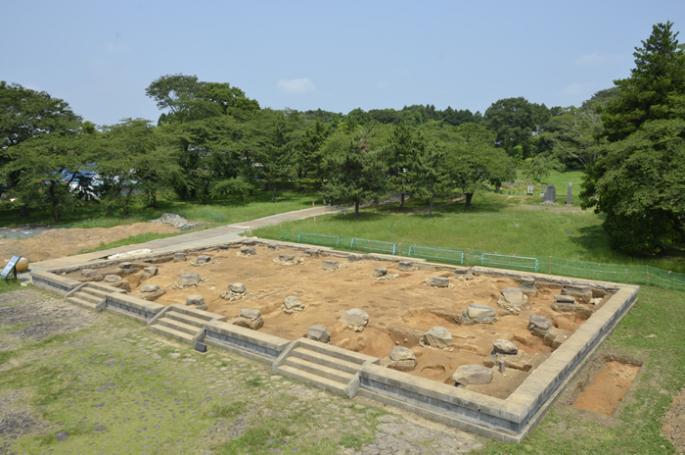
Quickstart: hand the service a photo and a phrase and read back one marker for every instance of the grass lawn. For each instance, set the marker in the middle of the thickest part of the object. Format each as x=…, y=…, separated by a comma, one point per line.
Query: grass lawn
x=495, y=224
x=211, y=214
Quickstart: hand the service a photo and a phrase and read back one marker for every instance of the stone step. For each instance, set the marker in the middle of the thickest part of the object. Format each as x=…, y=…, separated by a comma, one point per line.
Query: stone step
x=333, y=374
x=313, y=379
x=103, y=287
x=184, y=318
x=93, y=291
x=88, y=297
x=320, y=358
x=195, y=313
x=172, y=333
x=334, y=351
x=73, y=299
x=177, y=325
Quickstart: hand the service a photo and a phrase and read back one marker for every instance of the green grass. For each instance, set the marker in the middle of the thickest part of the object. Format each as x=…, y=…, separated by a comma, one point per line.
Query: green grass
x=517, y=191
x=219, y=212
x=494, y=225
x=116, y=388
x=134, y=239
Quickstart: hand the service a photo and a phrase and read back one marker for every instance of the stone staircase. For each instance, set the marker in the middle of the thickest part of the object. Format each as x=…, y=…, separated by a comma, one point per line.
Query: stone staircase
x=182, y=323
x=323, y=365
x=91, y=295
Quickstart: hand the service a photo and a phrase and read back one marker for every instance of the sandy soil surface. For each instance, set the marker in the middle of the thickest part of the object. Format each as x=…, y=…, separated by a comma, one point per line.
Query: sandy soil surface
x=607, y=388
x=674, y=423
x=399, y=309
x=55, y=243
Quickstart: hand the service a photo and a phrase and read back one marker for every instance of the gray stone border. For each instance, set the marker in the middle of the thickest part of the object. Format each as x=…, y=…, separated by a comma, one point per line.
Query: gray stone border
x=507, y=419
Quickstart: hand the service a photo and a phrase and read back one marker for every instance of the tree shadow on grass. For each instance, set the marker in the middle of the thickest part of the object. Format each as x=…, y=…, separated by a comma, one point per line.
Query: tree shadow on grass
x=364, y=216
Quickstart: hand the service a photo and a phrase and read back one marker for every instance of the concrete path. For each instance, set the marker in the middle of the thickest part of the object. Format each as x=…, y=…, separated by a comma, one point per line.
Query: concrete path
x=196, y=239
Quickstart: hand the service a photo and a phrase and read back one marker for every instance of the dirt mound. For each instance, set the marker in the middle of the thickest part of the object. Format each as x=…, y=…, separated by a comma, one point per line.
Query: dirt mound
x=55, y=243
x=674, y=423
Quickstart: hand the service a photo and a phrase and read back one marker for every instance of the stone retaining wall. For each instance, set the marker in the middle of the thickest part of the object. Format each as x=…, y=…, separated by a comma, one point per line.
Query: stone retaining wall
x=507, y=419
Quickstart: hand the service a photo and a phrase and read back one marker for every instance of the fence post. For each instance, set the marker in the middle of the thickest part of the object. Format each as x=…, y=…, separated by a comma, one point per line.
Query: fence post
x=549, y=265
x=394, y=249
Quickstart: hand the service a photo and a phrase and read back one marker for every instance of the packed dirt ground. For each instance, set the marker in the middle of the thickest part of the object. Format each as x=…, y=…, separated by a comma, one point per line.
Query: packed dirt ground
x=55, y=243
x=401, y=307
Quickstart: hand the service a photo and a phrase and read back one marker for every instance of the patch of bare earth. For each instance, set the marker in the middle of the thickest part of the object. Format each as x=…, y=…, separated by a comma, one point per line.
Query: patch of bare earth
x=607, y=387
x=55, y=243
x=674, y=423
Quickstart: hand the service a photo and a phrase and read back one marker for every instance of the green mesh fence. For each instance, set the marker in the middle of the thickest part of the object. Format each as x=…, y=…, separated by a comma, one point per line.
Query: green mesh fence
x=628, y=273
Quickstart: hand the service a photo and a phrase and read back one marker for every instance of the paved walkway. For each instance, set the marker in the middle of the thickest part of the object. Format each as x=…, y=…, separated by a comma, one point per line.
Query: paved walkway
x=196, y=239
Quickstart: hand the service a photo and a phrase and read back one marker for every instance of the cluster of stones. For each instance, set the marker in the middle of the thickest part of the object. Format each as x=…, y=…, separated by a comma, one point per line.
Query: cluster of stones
x=202, y=259
x=247, y=250
x=287, y=259
x=319, y=332
x=291, y=304
x=187, y=280
x=402, y=358
x=330, y=266
x=439, y=282
x=249, y=318
x=465, y=274
x=197, y=301
x=235, y=291
x=151, y=291
x=436, y=337
x=355, y=319
x=381, y=273
x=542, y=327
x=512, y=300
x=478, y=314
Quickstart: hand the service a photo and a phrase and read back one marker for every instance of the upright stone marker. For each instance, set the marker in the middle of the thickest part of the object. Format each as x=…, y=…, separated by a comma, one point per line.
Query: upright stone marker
x=569, y=194
x=531, y=190
x=550, y=195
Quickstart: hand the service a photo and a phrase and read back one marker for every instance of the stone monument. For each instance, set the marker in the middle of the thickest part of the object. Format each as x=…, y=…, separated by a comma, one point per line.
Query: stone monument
x=550, y=195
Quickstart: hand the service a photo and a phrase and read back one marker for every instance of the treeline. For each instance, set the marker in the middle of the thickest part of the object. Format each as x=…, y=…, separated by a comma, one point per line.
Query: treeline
x=213, y=143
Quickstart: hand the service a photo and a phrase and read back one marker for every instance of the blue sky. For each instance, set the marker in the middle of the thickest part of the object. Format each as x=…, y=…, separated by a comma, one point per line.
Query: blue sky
x=100, y=55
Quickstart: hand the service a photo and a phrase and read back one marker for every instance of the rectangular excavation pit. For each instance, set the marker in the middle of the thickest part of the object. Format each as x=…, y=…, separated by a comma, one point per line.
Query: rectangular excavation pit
x=607, y=384
x=402, y=304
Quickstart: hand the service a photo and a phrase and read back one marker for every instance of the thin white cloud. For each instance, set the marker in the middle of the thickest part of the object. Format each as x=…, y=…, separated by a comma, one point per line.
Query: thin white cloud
x=296, y=86
x=597, y=58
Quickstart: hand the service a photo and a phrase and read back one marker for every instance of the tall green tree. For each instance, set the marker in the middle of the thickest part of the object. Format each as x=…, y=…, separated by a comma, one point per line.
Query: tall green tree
x=355, y=171
x=514, y=121
x=132, y=159
x=402, y=151
x=49, y=171
x=638, y=181
x=472, y=159
x=430, y=176
x=658, y=76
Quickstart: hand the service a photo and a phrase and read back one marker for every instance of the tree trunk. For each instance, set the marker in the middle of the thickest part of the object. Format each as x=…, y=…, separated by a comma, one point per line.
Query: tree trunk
x=401, y=200
x=430, y=207
x=469, y=198
x=54, y=203
x=498, y=186
x=356, y=209
x=24, y=211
